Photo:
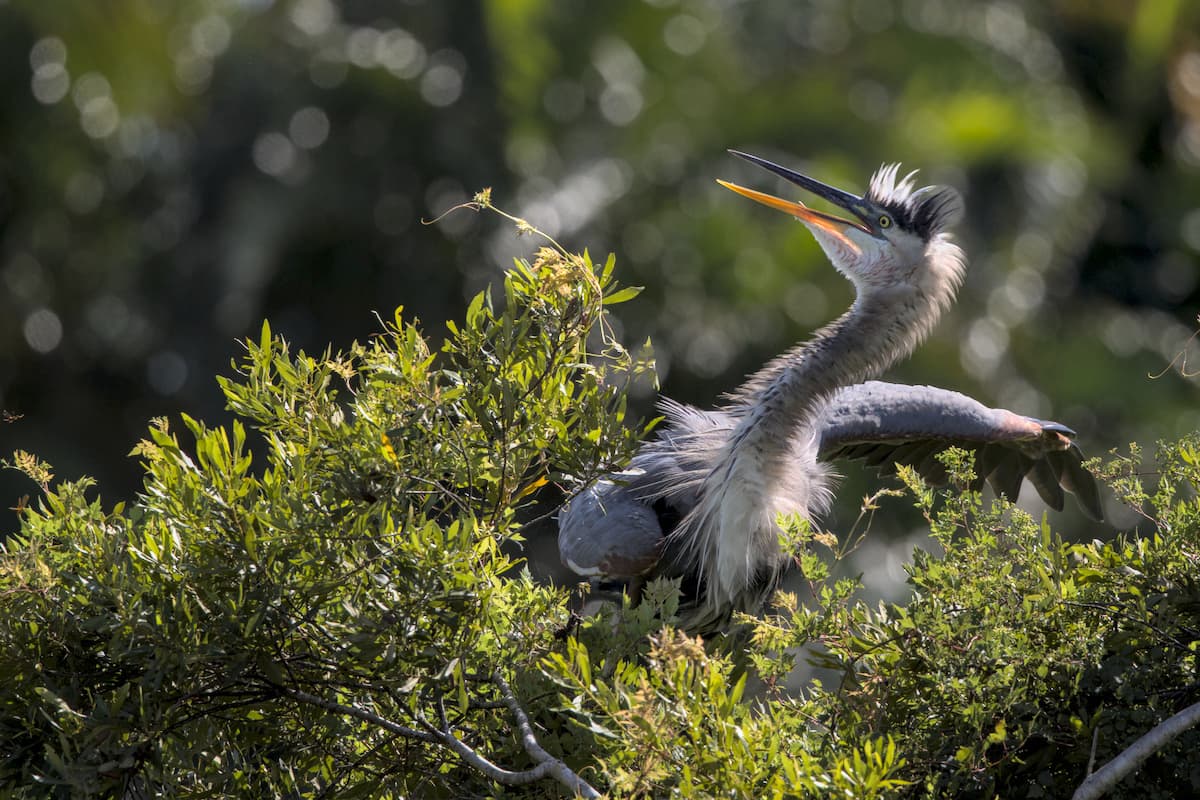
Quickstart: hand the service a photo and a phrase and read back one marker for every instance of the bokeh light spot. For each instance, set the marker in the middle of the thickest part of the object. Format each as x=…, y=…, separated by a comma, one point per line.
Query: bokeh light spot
x=314, y=17
x=805, y=304
x=1067, y=176
x=98, y=115
x=84, y=192
x=25, y=278
x=442, y=195
x=50, y=83
x=166, y=372
x=684, y=34
x=401, y=54
x=754, y=268
x=100, y=118
x=527, y=154
x=274, y=153
x=108, y=316
x=211, y=36
x=1005, y=26
x=984, y=347
x=1032, y=250
x=193, y=72
x=621, y=103
x=1188, y=143
x=309, y=127
x=708, y=353
x=441, y=85
x=90, y=86
x=362, y=47
x=621, y=99
x=617, y=62
x=46, y=51
x=43, y=330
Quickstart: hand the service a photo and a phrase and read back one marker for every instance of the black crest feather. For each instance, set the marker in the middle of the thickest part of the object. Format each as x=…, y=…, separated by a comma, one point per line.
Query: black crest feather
x=925, y=211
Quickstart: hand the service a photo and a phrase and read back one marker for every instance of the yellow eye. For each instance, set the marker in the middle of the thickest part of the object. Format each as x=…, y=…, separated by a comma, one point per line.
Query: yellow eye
x=885, y=221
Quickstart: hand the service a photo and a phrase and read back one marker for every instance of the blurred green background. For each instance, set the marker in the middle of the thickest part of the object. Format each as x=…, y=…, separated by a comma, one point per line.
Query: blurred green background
x=172, y=173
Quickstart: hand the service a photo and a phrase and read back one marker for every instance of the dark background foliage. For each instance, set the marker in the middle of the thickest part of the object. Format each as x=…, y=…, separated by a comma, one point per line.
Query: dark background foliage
x=173, y=173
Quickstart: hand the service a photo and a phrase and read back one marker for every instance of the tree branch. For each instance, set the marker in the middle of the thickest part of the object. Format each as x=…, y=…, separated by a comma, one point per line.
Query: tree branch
x=561, y=772
x=1132, y=757
x=490, y=769
x=547, y=766
x=358, y=713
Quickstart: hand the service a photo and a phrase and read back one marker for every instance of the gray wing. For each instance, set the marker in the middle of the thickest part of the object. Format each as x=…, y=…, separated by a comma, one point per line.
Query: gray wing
x=887, y=423
x=605, y=531
x=617, y=526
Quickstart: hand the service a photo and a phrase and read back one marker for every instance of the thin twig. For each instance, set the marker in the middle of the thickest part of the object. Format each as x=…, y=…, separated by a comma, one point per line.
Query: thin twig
x=1132, y=757
x=1108, y=608
x=1092, y=756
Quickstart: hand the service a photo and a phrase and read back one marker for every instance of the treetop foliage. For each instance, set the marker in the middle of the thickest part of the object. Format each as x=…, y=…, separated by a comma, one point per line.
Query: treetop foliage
x=328, y=598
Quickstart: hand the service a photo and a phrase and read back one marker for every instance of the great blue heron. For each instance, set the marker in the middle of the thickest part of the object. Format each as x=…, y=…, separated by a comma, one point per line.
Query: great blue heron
x=700, y=501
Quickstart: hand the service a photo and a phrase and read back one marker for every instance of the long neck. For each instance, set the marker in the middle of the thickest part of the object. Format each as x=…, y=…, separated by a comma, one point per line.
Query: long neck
x=756, y=476
x=878, y=330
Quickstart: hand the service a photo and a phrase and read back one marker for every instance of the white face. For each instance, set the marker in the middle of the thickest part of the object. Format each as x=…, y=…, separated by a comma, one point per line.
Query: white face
x=871, y=262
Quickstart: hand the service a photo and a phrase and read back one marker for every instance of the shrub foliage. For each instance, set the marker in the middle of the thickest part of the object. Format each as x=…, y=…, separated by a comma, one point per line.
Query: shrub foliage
x=327, y=598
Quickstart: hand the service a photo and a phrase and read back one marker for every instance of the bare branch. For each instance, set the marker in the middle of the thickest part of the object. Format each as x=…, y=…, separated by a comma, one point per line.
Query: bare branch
x=358, y=713
x=1132, y=757
x=490, y=769
x=561, y=772
x=547, y=765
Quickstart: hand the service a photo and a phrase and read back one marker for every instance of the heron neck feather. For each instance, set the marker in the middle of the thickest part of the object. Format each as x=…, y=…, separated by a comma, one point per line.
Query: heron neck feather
x=878, y=330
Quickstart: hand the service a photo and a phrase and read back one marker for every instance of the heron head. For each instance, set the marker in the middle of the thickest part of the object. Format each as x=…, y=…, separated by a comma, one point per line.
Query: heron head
x=896, y=236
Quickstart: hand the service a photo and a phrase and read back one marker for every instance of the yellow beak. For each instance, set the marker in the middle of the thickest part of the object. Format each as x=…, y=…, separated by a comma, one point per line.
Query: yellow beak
x=826, y=222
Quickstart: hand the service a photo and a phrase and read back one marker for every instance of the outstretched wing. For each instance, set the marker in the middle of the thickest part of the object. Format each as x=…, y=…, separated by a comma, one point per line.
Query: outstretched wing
x=886, y=423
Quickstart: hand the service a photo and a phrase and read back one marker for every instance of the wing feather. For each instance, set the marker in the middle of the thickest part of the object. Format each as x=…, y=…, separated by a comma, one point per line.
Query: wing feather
x=1077, y=480
x=1044, y=479
x=604, y=531
x=886, y=423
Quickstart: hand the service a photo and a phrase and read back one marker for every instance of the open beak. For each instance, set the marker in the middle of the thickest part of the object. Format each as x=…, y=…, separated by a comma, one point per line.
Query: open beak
x=811, y=217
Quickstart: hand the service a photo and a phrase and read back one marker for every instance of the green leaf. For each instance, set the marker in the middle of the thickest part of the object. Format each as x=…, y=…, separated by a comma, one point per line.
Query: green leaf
x=622, y=295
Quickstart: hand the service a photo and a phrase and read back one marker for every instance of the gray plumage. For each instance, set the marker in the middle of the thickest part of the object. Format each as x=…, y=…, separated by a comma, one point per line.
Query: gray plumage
x=700, y=500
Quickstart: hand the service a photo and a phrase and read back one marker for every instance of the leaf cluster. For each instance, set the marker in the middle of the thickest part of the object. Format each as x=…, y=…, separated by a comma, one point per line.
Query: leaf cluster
x=313, y=599
x=1020, y=660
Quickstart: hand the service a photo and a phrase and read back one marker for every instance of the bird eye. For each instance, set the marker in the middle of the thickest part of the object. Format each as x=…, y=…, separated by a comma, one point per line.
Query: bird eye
x=885, y=221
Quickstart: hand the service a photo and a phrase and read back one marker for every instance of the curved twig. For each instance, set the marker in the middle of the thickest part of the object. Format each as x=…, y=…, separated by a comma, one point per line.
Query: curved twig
x=1132, y=757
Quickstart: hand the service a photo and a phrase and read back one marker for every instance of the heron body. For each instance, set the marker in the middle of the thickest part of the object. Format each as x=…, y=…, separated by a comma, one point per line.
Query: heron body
x=700, y=501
